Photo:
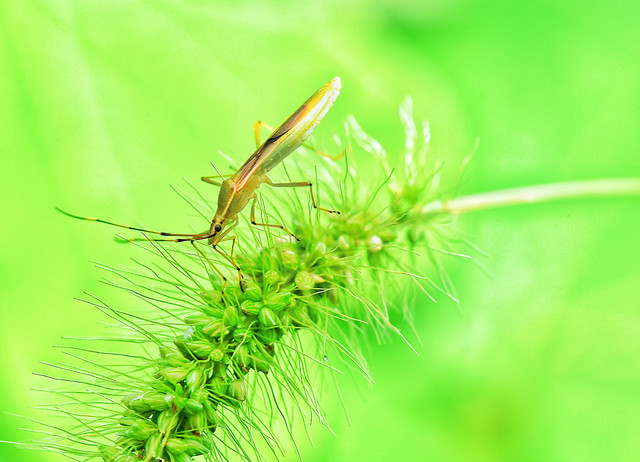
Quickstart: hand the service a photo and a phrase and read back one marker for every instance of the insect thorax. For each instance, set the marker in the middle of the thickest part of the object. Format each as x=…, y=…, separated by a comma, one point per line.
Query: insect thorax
x=232, y=199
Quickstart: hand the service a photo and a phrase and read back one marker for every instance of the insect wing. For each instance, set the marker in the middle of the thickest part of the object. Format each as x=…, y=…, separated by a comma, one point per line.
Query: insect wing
x=291, y=134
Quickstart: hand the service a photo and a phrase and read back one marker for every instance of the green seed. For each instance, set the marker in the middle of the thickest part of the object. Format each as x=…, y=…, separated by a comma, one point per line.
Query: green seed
x=268, y=336
x=168, y=420
x=198, y=319
x=200, y=349
x=196, y=422
x=217, y=354
x=128, y=418
x=262, y=360
x=200, y=395
x=194, y=380
x=189, y=446
x=145, y=402
x=249, y=358
x=108, y=453
x=182, y=347
x=251, y=308
x=173, y=374
x=332, y=295
x=196, y=446
x=252, y=292
x=239, y=390
x=243, y=357
x=153, y=447
x=192, y=406
x=232, y=294
x=213, y=420
x=285, y=320
x=176, y=445
x=267, y=318
x=231, y=317
x=288, y=257
x=299, y=316
x=213, y=329
x=141, y=430
x=271, y=277
x=305, y=280
x=241, y=333
x=278, y=300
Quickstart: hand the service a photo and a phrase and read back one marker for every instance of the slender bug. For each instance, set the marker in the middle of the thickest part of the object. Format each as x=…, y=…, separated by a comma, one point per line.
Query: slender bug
x=240, y=188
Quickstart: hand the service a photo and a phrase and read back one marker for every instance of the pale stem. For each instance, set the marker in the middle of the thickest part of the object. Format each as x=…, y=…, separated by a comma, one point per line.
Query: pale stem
x=536, y=194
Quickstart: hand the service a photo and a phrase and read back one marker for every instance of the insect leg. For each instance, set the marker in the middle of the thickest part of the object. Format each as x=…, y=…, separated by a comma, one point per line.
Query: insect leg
x=212, y=265
x=301, y=184
x=256, y=130
x=253, y=221
x=223, y=237
x=325, y=154
x=208, y=179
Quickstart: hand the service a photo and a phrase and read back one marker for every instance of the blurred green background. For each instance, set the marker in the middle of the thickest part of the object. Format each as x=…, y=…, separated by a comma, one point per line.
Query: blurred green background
x=106, y=103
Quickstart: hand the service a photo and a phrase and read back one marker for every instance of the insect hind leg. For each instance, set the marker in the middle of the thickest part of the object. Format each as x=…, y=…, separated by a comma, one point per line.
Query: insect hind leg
x=302, y=184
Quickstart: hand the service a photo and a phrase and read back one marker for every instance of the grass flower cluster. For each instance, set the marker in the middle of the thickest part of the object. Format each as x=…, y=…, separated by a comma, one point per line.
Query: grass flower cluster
x=216, y=369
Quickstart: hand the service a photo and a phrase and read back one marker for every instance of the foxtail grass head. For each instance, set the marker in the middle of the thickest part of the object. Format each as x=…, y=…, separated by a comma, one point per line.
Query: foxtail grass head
x=207, y=364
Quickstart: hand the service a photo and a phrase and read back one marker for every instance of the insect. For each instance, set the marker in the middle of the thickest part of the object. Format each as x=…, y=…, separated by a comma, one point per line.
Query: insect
x=240, y=188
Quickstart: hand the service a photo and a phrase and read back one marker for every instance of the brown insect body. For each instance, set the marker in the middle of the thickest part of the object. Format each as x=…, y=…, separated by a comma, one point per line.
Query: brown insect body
x=236, y=192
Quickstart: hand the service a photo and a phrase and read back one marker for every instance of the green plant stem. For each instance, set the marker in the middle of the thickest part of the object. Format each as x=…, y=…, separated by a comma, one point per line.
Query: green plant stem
x=536, y=194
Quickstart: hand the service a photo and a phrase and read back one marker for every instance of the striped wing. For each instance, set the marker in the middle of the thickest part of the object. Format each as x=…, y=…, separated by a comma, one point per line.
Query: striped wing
x=290, y=135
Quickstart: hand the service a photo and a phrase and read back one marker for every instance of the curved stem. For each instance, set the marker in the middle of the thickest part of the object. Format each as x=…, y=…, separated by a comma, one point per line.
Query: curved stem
x=536, y=194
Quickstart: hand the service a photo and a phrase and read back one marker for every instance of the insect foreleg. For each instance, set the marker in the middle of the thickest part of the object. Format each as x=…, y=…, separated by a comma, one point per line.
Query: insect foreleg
x=207, y=179
x=229, y=257
x=212, y=265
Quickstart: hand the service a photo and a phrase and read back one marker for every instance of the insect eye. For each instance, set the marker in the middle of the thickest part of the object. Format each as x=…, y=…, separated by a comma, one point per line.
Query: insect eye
x=217, y=227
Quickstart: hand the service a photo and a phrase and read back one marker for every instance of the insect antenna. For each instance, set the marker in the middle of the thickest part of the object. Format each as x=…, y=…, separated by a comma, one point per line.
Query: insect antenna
x=188, y=236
